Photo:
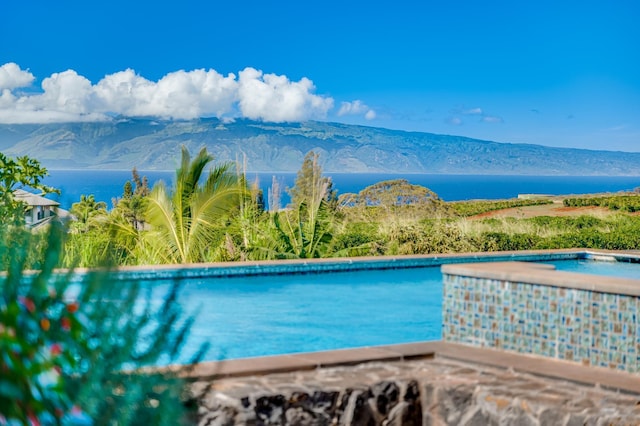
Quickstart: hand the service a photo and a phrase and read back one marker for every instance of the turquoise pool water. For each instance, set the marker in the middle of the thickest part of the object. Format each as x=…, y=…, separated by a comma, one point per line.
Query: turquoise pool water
x=611, y=269
x=278, y=314
x=270, y=315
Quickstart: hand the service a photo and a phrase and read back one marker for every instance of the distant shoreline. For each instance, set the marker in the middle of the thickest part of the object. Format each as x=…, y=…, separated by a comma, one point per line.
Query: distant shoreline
x=50, y=169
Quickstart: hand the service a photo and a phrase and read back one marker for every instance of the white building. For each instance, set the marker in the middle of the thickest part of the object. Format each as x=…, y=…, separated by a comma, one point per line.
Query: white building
x=39, y=210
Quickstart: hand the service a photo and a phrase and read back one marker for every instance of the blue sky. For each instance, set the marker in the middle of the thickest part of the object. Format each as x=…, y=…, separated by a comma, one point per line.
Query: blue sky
x=546, y=72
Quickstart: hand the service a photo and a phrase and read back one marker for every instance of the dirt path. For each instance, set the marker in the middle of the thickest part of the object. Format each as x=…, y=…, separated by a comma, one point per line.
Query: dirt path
x=555, y=209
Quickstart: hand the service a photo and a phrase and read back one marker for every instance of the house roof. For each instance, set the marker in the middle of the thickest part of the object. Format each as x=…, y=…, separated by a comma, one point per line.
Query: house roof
x=33, y=199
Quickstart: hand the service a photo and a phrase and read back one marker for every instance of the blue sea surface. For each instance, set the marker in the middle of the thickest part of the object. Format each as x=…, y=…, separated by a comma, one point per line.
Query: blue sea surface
x=106, y=185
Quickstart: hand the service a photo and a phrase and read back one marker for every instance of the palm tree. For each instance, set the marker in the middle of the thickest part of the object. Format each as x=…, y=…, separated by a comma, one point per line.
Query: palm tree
x=185, y=221
x=88, y=210
x=305, y=231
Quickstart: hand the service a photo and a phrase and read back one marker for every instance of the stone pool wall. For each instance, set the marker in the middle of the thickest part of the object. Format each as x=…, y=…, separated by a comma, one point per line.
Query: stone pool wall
x=412, y=393
x=533, y=309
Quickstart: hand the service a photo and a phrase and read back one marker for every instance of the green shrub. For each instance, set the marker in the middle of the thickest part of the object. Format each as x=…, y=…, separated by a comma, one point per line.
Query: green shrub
x=475, y=207
x=628, y=202
x=501, y=241
x=358, y=239
x=72, y=345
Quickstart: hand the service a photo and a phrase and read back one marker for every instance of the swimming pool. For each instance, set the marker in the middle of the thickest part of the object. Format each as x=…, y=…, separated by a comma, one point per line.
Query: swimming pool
x=270, y=315
x=606, y=268
x=247, y=316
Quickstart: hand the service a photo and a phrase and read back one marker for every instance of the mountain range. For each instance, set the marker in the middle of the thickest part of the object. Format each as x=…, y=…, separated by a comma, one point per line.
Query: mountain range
x=265, y=147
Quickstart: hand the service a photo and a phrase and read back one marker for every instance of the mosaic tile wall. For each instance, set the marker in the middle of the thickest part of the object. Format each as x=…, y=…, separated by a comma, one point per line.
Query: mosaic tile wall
x=589, y=327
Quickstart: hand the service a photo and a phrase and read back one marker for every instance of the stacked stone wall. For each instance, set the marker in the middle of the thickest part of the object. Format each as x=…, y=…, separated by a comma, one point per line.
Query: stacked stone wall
x=429, y=392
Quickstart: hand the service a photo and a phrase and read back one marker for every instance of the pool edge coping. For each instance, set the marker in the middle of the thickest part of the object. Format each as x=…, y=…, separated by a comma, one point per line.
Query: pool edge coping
x=528, y=273
x=288, y=266
x=437, y=349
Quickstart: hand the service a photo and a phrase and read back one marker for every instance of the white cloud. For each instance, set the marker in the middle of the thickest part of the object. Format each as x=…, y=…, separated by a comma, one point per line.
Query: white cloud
x=356, y=107
x=180, y=94
x=492, y=119
x=473, y=111
x=272, y=97
x=480, y=113
x=68, y=96
x=65, y=92
x=456, y=121
x=12, y=77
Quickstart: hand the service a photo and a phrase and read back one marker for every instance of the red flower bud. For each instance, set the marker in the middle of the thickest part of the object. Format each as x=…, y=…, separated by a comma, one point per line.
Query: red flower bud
x=55, y=349
x=72, y=307
x=65, y=323
x=27, y=303
x=45, y=324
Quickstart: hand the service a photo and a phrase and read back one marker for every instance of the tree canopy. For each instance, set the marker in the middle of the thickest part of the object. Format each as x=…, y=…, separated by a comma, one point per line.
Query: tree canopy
x=16, y=174
x=310, y=184
x=391, y=193
x=183, y=220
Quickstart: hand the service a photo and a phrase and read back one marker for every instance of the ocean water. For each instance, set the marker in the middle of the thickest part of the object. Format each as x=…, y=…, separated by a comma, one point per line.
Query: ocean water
x=106, y=185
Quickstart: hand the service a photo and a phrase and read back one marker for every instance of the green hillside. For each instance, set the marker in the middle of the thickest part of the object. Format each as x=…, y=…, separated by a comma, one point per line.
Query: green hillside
x=151, y=144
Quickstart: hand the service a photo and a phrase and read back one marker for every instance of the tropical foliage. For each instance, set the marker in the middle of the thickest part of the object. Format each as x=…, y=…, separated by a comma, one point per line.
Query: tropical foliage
x=306, y=229
x=310, y=184
x=87, y=211
x=184, y=221
x=216, y=215
x=16, y=174
x=132, y=206
x=72, y=346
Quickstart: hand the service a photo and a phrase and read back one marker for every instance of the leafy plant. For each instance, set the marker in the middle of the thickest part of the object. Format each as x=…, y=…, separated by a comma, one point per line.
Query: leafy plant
x=87, y=211
x=184, y=221
x=71, y=347
x=15, y=174
x=311, y=184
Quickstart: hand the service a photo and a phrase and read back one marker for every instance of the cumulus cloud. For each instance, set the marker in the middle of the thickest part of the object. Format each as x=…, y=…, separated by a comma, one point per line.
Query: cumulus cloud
x=356, y=107
x=272, y=97
x=68, y=96
x=180, y=94
x=11, y=77
x=456, y=121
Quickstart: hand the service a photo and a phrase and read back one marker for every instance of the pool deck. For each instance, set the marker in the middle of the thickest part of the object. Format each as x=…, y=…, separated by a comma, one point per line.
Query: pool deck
x=541, y=366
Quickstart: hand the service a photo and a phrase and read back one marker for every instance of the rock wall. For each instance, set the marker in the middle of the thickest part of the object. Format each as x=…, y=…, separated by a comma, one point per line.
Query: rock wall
x=428, y=392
